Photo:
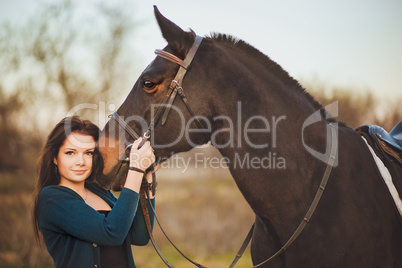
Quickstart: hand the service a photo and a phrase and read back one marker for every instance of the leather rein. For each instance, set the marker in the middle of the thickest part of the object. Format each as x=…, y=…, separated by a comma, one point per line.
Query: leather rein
x=162, y=113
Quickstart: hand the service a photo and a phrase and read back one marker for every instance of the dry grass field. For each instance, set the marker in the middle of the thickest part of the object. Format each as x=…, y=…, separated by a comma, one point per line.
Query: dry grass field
x=204, y=213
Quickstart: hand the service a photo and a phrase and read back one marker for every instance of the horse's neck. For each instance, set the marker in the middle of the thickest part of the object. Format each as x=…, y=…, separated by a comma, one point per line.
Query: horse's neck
x=271, y=165
x=278, y=178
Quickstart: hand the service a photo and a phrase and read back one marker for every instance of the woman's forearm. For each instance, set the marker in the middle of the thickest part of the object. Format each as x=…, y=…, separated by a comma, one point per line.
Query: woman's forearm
x=133, y=180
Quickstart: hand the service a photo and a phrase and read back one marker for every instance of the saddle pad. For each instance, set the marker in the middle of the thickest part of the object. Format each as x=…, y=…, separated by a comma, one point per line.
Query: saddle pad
x=387, y=178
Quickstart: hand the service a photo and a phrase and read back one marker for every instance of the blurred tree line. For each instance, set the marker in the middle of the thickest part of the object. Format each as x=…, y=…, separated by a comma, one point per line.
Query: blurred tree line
x=59, y=59
x=55, y=60
x=358, y=107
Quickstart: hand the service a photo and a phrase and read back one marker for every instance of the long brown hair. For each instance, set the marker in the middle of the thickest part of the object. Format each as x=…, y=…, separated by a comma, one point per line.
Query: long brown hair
x=47, y=170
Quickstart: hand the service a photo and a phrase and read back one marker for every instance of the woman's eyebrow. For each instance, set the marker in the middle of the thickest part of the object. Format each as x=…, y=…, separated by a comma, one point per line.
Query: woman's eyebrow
x=70, y=149
x=75, y=149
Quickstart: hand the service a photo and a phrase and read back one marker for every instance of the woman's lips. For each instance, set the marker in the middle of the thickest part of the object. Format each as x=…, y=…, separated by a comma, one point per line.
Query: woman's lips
x=79, y=172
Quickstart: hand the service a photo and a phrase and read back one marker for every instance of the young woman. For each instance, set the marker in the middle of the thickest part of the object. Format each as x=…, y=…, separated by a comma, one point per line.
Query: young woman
x=82, y=224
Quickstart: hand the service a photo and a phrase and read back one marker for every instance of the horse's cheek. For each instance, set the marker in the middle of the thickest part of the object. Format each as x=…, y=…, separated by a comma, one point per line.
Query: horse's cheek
x=109, y=148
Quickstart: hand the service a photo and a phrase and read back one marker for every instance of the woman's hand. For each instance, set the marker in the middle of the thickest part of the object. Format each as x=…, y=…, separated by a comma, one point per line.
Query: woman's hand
x=141, y=158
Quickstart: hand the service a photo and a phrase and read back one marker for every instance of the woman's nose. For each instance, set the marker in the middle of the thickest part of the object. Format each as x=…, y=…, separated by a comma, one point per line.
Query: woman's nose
x=80, y=160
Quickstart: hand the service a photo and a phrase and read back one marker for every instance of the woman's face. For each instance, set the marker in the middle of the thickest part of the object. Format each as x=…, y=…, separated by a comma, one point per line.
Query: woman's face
x=74, y=160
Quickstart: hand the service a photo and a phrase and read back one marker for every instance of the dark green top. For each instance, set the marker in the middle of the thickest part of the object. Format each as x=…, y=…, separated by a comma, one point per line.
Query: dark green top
x=72, y=230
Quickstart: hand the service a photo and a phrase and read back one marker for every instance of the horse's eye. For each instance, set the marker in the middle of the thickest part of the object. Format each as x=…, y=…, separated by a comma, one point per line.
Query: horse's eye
x=148, y=85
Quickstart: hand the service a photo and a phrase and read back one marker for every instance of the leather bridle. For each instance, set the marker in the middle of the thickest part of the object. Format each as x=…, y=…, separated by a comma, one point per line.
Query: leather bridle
x=174, y=88
x=162, y=113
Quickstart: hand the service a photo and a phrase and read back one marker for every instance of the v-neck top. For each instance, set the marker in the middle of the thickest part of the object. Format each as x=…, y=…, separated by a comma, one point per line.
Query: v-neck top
x=74, y=232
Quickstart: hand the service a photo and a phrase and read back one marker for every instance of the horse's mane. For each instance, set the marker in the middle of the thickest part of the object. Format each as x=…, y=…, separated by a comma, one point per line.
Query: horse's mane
x=275, y=68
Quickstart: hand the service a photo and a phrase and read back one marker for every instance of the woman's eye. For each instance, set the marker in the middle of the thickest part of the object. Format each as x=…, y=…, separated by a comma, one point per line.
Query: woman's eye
x=69, y=153
x=90, y=153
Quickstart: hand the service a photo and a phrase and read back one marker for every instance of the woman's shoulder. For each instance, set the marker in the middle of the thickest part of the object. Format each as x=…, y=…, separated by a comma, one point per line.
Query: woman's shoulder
x=61, y=192
x=57, y=191
x=52, y=198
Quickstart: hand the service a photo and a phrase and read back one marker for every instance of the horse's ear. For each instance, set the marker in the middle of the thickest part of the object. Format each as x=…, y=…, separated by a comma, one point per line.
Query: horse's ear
x=170, y=31
x=173, y=34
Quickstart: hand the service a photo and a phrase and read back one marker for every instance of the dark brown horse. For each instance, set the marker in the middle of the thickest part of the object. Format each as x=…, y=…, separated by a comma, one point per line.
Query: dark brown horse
x=260, y=119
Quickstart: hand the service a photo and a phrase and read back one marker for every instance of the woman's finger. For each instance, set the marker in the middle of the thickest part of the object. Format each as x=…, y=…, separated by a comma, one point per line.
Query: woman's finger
x=135, y=144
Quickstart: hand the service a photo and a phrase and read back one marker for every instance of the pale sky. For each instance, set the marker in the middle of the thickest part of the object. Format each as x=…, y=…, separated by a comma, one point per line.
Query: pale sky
x=346, y=43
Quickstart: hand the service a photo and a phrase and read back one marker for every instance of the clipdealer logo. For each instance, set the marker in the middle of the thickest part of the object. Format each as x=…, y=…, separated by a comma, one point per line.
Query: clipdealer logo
x=331, y=111
x=238, y=134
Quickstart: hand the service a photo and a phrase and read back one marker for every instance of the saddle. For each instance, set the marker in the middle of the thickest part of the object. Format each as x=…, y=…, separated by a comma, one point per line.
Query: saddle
x=388, y=147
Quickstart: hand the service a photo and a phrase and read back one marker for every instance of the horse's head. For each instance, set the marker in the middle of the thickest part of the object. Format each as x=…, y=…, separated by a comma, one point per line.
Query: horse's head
x=175, y=130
